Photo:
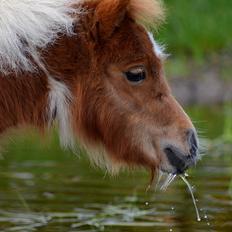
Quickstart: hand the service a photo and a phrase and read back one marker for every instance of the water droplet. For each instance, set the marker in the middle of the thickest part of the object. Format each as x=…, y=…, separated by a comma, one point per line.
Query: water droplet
x=205, y=216
x=170, y=230
x=208, y=223
x=146, y=203
x=172, y=208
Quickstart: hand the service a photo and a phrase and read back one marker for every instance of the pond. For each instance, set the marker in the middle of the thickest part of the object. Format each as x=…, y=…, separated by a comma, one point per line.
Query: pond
x=43, y=188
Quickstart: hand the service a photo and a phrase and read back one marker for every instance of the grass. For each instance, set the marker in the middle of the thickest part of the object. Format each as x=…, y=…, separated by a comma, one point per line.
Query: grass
x=197, y=28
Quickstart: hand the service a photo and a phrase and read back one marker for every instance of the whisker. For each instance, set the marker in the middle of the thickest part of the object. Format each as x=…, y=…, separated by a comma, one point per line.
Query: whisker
x=153, y=171
x=160, y=175
x=168, y=181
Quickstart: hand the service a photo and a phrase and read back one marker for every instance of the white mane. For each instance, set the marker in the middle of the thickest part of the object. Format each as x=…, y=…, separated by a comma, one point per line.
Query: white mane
x=29, y=25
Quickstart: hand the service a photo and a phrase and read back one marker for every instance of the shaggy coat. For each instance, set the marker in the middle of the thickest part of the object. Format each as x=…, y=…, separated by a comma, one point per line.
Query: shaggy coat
x=92, y=66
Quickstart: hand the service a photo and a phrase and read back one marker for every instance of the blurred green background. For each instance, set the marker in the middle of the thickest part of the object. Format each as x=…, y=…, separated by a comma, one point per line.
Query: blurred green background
x=198, y=29
x=197, y=35
x=45, y=188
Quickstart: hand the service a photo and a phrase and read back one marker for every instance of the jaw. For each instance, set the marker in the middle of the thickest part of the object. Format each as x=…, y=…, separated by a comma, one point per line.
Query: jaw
x=114, y=161
x=146, y=155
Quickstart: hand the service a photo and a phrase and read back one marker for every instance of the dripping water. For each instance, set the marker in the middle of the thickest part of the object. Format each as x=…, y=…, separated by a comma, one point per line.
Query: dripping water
x=193, y=198
x=169, y=179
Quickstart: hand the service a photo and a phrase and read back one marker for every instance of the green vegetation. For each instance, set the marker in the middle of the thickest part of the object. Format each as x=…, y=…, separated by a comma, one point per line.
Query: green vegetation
x=197, y=28
x=227, y=135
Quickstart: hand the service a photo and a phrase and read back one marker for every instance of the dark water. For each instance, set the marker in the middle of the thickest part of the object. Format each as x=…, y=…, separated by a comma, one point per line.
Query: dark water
x=45, y=189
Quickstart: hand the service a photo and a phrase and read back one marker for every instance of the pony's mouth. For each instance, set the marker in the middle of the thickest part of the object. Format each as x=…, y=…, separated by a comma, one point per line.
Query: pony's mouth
x=181, y=162
x=175, y=161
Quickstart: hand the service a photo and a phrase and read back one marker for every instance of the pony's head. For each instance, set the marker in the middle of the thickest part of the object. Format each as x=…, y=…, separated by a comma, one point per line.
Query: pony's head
x=123, y=103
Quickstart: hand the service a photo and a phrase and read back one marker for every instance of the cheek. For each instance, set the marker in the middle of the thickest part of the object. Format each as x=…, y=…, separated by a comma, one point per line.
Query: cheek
x=158, y=109
x=117, y=120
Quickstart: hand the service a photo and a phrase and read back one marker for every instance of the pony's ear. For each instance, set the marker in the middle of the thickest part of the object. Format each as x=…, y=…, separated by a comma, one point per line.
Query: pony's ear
x=108, y=15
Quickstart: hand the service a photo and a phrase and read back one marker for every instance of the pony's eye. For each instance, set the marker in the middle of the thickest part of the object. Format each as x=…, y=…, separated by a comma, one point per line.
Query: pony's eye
x=136, y=75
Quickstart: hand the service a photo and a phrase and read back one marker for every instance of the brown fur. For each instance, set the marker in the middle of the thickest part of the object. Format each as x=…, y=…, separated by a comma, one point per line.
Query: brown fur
x=129, y=121
x=23, y=101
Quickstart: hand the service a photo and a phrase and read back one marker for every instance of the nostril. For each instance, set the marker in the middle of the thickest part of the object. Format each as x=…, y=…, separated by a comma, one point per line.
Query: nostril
x=176, y=159
x=192, y=141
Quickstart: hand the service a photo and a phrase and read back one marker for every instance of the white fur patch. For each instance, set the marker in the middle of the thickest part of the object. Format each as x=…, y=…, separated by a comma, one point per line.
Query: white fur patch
x=158, y=49
x=58, y=109
x=29, y=25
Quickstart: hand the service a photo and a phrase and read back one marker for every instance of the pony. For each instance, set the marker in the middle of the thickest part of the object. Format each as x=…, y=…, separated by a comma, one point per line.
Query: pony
x=94, y=68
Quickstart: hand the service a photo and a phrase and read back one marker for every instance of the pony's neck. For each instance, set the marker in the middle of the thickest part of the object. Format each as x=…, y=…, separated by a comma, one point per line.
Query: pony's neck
x=41, y=97
x=23, y=100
